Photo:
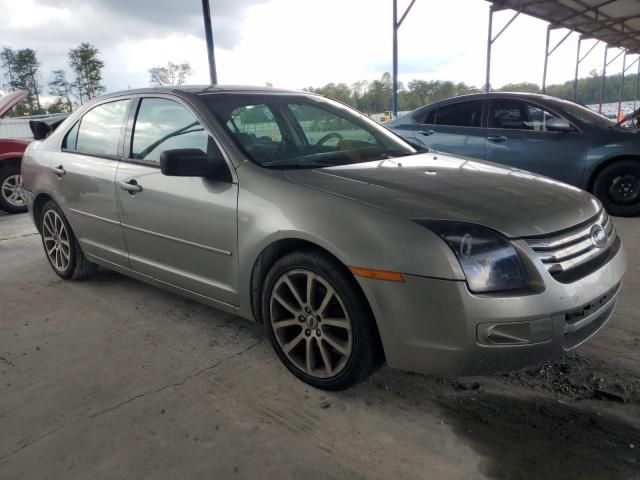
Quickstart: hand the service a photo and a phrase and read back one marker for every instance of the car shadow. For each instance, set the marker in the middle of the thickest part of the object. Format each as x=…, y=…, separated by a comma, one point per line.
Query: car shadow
x=525, y=434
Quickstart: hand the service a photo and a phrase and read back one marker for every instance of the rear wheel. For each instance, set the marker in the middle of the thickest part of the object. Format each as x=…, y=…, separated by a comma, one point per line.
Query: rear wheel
x=11, y=196
x=60, y=245
x=318, y=321
x=618, y=187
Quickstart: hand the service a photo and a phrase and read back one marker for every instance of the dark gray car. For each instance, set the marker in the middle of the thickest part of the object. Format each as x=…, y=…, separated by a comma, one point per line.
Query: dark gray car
x=542, y=134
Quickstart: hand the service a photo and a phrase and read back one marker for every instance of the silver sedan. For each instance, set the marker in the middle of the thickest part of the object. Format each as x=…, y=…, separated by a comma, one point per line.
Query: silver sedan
x=350, y=245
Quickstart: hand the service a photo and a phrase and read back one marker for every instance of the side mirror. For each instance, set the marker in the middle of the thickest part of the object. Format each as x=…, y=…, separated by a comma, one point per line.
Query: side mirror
x=193, y=162
x=558, y=125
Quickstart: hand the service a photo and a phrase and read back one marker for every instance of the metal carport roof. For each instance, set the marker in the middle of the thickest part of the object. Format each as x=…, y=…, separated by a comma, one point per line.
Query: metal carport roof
x=614, y=22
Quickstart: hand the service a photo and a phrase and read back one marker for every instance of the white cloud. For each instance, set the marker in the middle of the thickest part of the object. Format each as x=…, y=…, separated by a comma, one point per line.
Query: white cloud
x=291, y=43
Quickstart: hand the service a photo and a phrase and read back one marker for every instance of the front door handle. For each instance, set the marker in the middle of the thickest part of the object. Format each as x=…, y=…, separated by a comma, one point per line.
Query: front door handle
x=426, y=133
x=497, y=139
x=59, y=171
x=131, y=186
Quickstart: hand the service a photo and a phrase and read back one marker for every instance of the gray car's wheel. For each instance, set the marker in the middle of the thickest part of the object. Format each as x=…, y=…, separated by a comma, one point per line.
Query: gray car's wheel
x=618, y=187
x=318, y=321
x=60, y=245
x=11, y=197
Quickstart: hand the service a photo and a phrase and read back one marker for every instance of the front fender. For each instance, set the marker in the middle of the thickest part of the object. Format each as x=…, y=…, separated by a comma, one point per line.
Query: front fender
x=273, y=208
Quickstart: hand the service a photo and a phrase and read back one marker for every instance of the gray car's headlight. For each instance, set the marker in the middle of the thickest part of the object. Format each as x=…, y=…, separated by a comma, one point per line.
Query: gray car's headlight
x=488, y=260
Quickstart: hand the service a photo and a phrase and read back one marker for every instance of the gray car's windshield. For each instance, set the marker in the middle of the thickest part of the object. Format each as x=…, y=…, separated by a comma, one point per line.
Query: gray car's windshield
x=302, y=131
x=586, y=116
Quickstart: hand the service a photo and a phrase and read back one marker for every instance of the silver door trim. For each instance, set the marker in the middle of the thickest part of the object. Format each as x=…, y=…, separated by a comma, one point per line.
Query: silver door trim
x=95, y=217
x=134, y=273
x=179, y=240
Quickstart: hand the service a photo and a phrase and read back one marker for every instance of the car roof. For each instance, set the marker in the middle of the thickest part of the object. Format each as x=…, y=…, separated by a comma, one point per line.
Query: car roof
x=205, y=89
x=482, y=96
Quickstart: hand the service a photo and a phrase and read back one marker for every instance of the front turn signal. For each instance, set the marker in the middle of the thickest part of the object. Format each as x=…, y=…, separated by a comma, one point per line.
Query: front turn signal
x=377, y=274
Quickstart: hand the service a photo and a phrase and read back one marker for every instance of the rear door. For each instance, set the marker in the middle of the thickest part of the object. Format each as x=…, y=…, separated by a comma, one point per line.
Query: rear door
x=517, y=136
x=85, y=173
x=455, y=128
x=179, y=230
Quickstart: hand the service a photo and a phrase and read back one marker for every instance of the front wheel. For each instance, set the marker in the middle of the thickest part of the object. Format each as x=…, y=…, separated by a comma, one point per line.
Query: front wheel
x=318, y=321
x=61, y=246
x=618, y=187
x=11, y=196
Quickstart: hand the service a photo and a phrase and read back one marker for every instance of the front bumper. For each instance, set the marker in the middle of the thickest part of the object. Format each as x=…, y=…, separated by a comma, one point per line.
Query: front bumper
x=437, y=326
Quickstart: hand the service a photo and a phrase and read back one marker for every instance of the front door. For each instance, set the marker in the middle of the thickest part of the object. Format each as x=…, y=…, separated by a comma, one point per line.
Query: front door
x=517, y=136
x=179, y=230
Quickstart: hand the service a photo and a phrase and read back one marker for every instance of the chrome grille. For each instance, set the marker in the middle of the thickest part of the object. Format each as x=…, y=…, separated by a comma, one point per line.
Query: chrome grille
x=564, y=251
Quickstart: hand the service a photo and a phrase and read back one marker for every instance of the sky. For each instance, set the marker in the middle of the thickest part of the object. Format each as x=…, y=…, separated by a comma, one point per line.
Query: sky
x=290, y=43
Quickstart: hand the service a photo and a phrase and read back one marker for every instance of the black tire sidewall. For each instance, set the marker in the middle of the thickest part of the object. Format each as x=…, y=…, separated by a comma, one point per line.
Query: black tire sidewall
x=73, y=245
x=601, y=185
x=364, y=351
x=4, y=205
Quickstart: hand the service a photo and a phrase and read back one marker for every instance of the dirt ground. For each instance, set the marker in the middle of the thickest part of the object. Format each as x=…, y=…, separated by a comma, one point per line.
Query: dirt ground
x=110, y=378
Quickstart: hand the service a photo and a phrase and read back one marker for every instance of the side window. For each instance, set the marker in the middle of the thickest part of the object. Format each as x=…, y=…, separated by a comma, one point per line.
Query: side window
x=255, y=122
x=163, y=124
x=71, y=140
x=463, y=114
x=100, y=127
x=317, y=124
x=429, y=118
x=511, y=114
x=538, y=118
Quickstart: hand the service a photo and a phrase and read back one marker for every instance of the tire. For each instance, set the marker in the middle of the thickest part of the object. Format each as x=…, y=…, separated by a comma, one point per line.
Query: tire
x=618, y=187
x=11, y=199
x=330, y=342
x=61, y=246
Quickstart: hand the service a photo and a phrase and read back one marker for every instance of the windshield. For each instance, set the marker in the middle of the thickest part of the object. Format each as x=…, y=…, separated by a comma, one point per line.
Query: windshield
x=302, y=131
x=586, y=116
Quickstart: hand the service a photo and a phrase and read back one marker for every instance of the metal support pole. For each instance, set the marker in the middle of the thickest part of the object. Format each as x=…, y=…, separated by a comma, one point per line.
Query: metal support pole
x=604, y=75
x=487, y=83
x=575, y=79
x=491, y=39
x=635, y=97
x=396, y=25
x=394, y=106
x=548, y=53
x=624, y=69
x=208, y=33
x=546, y=60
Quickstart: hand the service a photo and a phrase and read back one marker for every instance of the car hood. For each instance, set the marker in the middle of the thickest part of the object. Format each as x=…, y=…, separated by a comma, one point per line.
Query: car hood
x=514, y=202
x=8, y=101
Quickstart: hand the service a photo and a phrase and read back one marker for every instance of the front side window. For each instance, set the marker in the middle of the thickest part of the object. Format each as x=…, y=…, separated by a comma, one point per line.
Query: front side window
x=463, y=114
x=99, y=131
x=518, y=115
x=302, y=131
x=163, y=124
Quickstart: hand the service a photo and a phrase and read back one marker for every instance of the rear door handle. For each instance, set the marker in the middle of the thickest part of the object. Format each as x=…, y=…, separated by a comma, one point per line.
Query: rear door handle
x=59, y=171
x=497, y=139
x=131, y=186
x=426, y=133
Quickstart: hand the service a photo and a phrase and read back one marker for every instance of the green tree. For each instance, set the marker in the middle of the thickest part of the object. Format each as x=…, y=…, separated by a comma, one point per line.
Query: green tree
x=61, y=88
x=172, y=74
x=340, y=92
x=7, y=59
x=87, y=68
x=57, y=106
x=520, y=87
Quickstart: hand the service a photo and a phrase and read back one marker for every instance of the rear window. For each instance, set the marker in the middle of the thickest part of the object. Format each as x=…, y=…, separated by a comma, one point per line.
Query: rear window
x=463, y=114
x=100, y=127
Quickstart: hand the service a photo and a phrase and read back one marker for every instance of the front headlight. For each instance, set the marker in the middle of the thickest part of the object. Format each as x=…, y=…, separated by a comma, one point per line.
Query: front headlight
x=488, y=260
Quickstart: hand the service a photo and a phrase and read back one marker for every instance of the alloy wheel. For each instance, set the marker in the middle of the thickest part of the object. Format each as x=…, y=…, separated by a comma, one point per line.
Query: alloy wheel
x=11, y=190
x=311, y=324
x=625, y=189
x=56, y=240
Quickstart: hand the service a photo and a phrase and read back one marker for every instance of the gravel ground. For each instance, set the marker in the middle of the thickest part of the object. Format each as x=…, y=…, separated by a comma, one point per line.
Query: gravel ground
x=110, y=378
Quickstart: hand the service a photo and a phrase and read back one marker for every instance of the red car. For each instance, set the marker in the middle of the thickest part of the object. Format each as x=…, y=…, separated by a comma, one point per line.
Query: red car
x=11, y=151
